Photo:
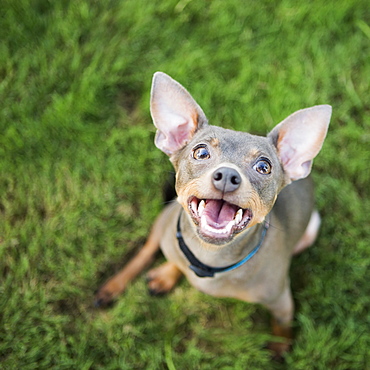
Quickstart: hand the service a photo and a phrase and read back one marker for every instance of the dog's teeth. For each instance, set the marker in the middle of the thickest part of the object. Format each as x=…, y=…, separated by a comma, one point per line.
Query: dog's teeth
x=238, y=216
x=201, y=207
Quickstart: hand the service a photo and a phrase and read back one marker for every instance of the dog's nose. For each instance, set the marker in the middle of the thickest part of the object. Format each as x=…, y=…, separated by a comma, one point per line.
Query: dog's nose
x=226, y=179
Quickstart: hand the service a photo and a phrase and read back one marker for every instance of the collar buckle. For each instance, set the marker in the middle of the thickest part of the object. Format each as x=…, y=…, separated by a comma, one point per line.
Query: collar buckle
x=201, y=272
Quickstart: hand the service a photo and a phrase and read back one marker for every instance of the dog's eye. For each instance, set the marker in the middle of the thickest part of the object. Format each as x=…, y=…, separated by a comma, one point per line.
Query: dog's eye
x=263, y=167
x=201, y=152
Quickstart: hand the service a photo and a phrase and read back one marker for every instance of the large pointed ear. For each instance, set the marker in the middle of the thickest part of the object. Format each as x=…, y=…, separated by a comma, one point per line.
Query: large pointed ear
x=299, y=138
x=176, y=115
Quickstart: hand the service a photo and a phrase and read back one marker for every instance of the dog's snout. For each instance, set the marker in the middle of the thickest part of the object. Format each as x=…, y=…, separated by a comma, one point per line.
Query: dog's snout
x=226, y=179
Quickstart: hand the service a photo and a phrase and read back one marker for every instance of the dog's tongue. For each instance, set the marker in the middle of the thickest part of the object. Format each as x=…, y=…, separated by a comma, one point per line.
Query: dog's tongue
x=219, y=213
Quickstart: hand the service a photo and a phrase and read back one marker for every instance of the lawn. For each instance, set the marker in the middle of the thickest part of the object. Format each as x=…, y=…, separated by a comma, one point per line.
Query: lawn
x=81, y=180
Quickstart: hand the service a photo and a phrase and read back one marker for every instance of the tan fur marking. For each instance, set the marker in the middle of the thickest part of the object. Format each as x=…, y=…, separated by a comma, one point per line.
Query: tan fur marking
x=253, y=153
x=215, y=142
x=282, y=331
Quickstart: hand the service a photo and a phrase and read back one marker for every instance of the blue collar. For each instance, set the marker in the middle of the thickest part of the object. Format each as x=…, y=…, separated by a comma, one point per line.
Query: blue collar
x=202, y=270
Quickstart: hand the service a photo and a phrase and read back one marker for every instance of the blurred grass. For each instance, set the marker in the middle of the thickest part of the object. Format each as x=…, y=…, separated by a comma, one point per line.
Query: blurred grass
x=80, y=178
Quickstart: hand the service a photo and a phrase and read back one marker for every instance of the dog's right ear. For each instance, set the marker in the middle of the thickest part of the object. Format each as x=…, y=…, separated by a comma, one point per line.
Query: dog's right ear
x=299, y=138
x=176, y=115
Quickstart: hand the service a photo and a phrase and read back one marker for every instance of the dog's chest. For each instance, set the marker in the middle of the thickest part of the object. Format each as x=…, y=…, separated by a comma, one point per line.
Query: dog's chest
x=225, y=284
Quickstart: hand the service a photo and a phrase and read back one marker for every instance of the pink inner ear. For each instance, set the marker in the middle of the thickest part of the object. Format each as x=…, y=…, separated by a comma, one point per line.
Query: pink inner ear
x=179, y=137
x=306, y=166
x=297, y=147
x=295, y=157
x=176, y=132
x=286, y=152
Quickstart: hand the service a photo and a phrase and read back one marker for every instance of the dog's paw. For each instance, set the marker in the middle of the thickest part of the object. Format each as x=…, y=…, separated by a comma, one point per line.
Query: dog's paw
x=279, y=349
x=162, y=279
x=157, y=287
x=104, y=298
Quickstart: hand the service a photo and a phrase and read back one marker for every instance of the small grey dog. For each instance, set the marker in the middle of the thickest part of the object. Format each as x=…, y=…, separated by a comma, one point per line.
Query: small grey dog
x=245, y=206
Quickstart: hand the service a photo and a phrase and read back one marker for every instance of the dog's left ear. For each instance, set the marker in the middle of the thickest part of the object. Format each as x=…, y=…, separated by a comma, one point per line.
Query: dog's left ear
x=176, y=115
x=299, y=138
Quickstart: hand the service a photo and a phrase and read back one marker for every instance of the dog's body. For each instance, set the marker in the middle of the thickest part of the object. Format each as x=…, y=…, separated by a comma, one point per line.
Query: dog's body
x=228, y=212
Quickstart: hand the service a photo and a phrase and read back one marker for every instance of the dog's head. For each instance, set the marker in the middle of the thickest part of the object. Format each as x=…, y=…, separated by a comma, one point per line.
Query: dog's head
x=228, y=181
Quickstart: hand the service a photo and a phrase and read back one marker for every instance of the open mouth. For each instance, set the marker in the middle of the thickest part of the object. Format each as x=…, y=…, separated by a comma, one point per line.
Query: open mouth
x=217, y=219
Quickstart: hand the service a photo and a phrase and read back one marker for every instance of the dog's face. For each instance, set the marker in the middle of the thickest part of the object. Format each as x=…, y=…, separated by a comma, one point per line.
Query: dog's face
x=228, y=181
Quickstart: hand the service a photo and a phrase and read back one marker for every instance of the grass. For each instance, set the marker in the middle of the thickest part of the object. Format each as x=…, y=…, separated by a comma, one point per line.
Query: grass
x=81, y=180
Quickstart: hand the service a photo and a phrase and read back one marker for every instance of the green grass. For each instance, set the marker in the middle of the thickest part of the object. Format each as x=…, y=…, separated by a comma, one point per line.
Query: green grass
x=81, y=180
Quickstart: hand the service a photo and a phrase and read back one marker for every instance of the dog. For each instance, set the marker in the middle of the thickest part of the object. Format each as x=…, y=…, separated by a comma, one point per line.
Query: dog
x=244, y=206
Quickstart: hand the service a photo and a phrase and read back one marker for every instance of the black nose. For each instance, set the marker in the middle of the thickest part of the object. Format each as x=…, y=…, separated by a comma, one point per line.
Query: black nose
x=226, y=179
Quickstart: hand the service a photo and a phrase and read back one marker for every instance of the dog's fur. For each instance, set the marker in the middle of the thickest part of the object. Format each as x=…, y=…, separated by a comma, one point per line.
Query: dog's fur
x=266, y=177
